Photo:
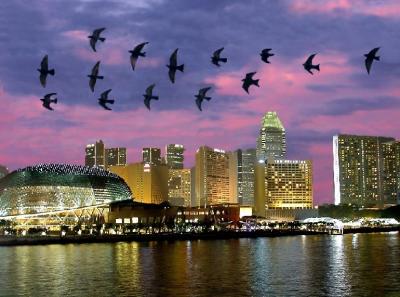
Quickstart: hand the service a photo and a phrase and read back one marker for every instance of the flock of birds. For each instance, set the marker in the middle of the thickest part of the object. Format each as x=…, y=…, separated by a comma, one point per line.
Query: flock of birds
x=173, y=67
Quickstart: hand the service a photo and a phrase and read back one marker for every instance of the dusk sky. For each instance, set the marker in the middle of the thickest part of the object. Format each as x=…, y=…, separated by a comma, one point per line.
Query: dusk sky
x=342, y=98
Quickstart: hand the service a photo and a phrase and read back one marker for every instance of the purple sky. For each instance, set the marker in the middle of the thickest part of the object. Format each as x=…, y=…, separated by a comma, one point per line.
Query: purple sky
x=342, y=98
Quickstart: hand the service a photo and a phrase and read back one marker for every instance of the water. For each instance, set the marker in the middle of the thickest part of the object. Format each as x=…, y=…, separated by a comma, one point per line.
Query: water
x=349, y=265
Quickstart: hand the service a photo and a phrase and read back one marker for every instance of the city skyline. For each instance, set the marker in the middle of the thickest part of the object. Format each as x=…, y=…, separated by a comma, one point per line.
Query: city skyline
x=341, y=99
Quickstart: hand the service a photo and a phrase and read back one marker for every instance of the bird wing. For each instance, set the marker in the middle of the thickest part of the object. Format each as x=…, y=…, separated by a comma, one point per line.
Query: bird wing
x=139, y=47
x=93, y=43
x=309, y=60
x=46, y=104
x=246, y=86
x=98, y=31
x=134, y=59
x=149, y=90
x=147, y=102
x=47, y=96
x=374, y=51
x=217, y=53
x=250, y=75
x=95, y=69
x=44, y=64
x=198, y=103
x=103, y=104
x=42, y=79
x=368, y=63
x=104, y=95
x=173, y=60
x=203, y=91
x=92, y=83
x=171, y=74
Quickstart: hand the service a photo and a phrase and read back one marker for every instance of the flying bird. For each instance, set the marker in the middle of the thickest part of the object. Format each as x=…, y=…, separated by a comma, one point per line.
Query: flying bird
x=103, y=100
x=265, y=54
x=95, y=37
x=47, y=100
x=201, y=96
x=308, y=65
x=248, y=81
x=44, y=71
x=136, y=53
x=215, y=59
x=370, y=57
x=173, y=66
x=94, y=76
x=149, y=95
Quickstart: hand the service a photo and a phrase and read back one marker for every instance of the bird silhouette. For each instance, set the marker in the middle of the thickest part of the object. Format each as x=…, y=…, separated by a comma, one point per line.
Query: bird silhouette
x=265, y=54
x=308, y=65
x=44, y=71
x=215, y=59
x=173, y=66
x=201, y=96
x=370, y=57
x=95, y=37
x=47, y=100
x=248, y=81
x=94, y=76
x=136, y=53
x=103, y=100
x=149, y=95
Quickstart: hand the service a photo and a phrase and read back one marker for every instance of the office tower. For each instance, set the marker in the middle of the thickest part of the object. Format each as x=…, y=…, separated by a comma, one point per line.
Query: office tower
x=148, y=183
x=212, y=176
x=115, y=156
x=288, y=184
x=365, y=170
x=179, y=187
x=174, y=156
x=193, y=198
x=95, y=155
x=271, y=142
x=151, y=155
x=3, y=171
x=242, y=177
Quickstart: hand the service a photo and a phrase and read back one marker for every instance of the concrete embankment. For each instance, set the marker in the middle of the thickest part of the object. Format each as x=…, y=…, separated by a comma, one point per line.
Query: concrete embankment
x=39, y=240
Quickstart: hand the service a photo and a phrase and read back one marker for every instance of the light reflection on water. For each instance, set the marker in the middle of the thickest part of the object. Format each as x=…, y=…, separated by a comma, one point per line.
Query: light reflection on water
x=349, y=265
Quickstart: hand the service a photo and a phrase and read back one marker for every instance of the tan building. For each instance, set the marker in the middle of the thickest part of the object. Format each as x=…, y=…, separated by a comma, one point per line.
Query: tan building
x=212, y=176
x=148, y=183
x=179, y=187
x=288, y=184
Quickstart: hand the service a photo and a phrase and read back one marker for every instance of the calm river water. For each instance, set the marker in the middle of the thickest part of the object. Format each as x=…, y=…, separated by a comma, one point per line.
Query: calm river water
x=349, y=265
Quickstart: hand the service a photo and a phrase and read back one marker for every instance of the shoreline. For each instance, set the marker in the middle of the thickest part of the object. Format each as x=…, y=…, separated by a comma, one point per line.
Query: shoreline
x=44, y=240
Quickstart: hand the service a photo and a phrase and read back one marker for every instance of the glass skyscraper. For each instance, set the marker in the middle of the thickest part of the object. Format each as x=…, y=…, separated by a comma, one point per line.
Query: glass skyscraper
x=151, y=155
x=95, y=155
x=271, y=142
x=174, y=156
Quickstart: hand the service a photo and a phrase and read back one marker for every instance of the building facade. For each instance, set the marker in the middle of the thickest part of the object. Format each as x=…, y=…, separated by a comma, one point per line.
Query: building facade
x=366, y=170
x=174, y=156
x=179, y=187
x=151, y=155
x=212, y=176
x=95, y=155
x=288, y=184
x=148, y=183
x=271, y=142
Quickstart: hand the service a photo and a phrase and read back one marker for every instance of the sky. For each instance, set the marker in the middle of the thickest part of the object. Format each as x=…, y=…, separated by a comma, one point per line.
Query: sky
x=341, y=98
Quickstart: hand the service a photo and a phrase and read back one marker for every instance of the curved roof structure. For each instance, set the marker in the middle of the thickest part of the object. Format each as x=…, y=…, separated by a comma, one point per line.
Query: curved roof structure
x=52, y=187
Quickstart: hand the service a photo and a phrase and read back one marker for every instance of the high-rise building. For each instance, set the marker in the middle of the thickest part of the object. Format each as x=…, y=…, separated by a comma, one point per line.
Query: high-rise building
x=241, y=167
x=151, y=155
x=174, y=156
x=288, y=184
x=148, y=183
x=179, y=187
x=115, y=156
x=212, y=176
x=3, y=171
x=95, y=155
x=366, y=170
x=271, y=142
